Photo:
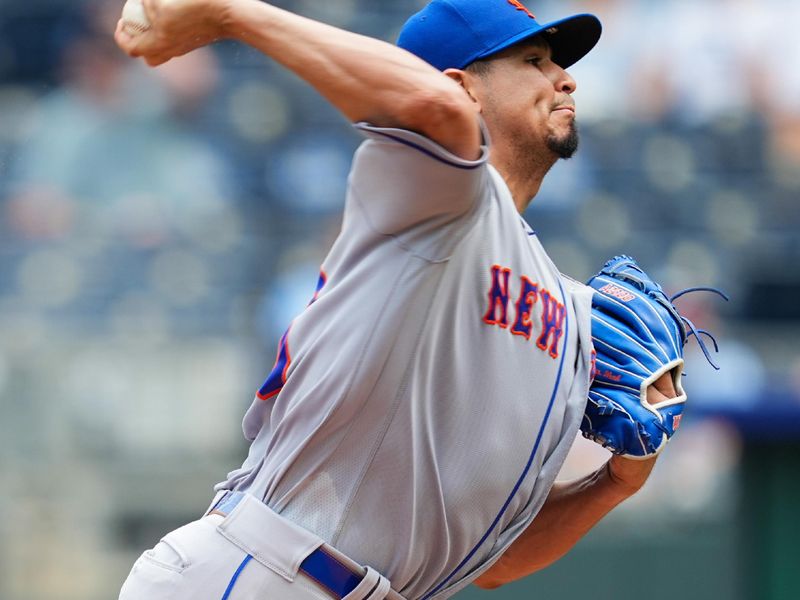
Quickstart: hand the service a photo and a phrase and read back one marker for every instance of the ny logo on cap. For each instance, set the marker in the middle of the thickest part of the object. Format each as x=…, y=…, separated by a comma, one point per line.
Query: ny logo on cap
x=518, y=5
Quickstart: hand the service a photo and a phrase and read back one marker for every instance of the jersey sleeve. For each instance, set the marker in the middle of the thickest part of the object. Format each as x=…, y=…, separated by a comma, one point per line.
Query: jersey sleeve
x=409, y=187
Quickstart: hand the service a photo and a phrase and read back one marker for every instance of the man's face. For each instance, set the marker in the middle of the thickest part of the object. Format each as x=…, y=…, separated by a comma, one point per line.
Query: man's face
x=526, y=100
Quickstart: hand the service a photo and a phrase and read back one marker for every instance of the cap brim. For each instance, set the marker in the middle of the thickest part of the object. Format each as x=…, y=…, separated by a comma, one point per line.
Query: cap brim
x=570, y=39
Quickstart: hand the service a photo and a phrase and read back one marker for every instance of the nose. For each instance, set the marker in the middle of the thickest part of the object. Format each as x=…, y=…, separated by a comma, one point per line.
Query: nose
x=563, y=81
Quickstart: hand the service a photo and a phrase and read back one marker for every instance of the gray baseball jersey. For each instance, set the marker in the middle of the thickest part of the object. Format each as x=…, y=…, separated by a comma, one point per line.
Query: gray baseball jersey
x=422, y=405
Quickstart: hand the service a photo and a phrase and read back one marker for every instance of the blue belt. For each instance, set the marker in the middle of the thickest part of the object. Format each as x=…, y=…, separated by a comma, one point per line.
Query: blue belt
x=329, y=572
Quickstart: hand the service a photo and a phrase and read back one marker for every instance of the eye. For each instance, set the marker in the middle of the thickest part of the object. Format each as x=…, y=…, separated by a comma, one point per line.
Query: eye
x=534, y=60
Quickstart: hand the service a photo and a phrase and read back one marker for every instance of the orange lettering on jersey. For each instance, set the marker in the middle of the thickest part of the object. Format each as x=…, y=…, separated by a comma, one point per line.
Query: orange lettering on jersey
x=498, y=297
x=553, y=313
x=530, y=294
x=277, y=377
x=519, y=6
x=527, y=298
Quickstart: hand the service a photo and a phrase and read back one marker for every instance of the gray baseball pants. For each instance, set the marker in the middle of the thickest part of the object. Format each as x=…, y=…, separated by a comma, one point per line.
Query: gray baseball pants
x=252, y=553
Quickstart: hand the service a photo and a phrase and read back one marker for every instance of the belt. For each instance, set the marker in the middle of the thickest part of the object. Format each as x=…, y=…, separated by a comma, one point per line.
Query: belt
x=328, y=571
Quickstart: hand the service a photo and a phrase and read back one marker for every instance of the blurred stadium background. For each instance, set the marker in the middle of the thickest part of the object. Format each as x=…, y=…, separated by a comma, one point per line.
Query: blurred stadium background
x=159, y=228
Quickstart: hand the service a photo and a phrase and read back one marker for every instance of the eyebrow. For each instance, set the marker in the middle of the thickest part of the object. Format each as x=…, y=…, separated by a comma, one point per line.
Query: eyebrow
x=537, y=42
x=534, y=43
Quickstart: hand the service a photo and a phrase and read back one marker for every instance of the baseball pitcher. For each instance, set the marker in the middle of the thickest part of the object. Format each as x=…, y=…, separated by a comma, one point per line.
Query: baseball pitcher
x=407, y=439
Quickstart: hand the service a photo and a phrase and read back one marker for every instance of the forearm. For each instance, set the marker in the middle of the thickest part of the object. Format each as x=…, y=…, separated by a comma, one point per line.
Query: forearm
x=366, y=79
x=570, y=511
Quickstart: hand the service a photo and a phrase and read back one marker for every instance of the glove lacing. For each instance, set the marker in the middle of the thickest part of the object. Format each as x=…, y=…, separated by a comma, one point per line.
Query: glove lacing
x=693, y=330
x=696, y=331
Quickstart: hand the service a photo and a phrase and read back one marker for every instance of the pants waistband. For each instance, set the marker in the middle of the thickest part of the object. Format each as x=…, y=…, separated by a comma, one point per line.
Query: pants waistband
x=340, y=576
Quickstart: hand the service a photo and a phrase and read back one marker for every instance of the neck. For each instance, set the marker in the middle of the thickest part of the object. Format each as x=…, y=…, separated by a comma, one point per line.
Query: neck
x=523, y=178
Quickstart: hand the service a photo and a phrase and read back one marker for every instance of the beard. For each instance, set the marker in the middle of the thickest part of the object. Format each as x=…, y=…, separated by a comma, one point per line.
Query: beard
x=566, y=145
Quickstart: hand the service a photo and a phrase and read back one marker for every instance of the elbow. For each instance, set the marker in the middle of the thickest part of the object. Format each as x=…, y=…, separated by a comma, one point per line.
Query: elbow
x=508, y=569
x=494, y=577
x=487, y=583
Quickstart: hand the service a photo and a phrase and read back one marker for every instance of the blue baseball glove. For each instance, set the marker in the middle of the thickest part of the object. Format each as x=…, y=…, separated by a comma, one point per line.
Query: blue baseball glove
x=638, y=336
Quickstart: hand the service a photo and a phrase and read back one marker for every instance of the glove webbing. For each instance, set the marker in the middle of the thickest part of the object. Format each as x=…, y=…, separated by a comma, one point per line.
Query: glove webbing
x=683, y=322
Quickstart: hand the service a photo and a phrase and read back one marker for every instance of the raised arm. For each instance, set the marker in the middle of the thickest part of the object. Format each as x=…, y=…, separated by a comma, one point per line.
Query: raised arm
x=366, y=79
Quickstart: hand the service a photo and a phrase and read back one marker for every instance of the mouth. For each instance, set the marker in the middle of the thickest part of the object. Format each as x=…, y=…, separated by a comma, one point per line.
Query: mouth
x=566, y=107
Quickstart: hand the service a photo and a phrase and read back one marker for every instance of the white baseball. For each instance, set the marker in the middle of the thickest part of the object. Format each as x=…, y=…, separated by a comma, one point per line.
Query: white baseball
x=134, y=19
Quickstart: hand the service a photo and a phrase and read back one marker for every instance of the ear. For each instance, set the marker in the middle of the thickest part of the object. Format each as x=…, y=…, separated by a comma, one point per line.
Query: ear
x=469, y=84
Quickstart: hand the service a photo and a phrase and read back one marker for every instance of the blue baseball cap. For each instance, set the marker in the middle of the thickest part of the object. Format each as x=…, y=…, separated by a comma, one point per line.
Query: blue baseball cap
x=455, y=33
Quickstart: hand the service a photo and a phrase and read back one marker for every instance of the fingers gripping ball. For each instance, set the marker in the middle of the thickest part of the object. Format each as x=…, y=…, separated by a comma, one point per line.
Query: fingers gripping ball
x=638, y=336
x=134, y=19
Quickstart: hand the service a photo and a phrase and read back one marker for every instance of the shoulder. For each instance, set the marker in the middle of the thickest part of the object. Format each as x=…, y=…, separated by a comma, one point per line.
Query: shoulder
x=424, y=148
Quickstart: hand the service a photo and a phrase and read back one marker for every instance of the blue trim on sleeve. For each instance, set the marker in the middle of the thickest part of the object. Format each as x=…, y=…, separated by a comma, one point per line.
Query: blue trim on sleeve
x=527, y=466
x=441, y=159
x=229, y=589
